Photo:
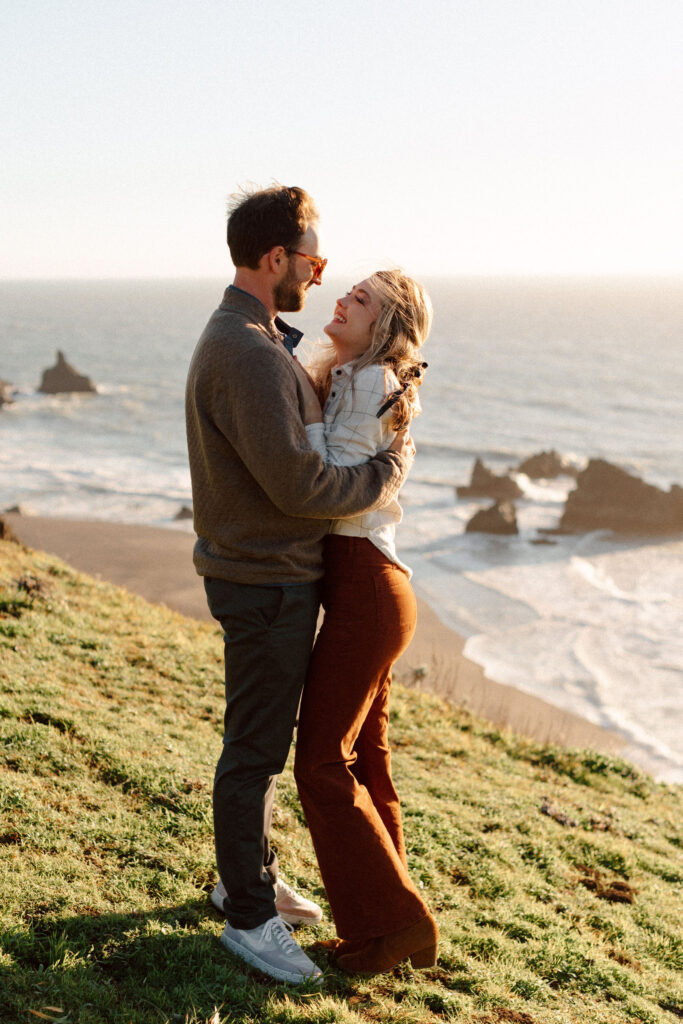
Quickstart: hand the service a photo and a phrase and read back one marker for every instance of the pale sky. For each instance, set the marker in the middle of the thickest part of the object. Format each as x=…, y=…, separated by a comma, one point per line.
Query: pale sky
x=447, y=136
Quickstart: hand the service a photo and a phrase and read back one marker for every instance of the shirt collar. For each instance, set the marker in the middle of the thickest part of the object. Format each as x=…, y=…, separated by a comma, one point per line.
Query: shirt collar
x=291, y=336
x=346, y=368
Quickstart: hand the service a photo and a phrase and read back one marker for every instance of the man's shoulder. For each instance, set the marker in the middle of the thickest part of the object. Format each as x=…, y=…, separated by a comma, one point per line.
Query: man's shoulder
x=233, y=324
x=233, y=353
x=230, y=335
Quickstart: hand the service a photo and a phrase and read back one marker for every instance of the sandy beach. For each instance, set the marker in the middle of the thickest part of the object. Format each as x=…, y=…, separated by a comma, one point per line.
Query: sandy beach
x=156, y=563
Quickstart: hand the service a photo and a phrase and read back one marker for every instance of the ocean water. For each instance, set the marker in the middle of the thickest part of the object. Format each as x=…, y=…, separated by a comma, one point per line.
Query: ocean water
x=592, y=368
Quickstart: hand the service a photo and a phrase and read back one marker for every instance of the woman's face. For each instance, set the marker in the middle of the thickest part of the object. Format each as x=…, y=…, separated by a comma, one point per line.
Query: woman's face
x=354, y=319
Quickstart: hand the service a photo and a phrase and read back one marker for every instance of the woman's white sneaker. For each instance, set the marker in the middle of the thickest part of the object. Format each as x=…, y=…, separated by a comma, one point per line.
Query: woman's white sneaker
x=271, y=949
x=290, y=905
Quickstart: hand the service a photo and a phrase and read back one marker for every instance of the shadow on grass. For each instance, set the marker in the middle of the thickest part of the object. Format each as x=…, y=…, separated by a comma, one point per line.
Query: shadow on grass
x=162, y=965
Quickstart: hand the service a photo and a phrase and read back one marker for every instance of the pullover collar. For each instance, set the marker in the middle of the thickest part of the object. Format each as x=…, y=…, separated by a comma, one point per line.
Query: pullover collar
x=244, y=302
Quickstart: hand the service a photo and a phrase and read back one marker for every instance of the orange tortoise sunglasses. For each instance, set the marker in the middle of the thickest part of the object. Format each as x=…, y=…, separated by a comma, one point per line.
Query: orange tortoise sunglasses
x=317, y=262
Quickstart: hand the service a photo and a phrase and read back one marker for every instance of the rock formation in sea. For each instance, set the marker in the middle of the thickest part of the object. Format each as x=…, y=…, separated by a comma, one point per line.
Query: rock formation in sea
x=5, y=393
x=6, y=532
x=607, y=497
x=499, y=518
x=485, y=484
x=184, y=512
x=63, y=378
x=547, y=466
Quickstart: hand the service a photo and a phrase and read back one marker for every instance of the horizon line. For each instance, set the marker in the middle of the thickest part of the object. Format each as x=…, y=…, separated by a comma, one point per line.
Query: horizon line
x=458, y=275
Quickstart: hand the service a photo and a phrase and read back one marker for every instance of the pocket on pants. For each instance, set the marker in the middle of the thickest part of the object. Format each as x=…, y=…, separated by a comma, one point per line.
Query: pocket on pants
x=272, y=606
x=243, y=605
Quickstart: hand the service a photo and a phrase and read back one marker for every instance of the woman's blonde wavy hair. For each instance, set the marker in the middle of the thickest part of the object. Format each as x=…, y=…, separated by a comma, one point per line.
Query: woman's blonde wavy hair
x=400, y=331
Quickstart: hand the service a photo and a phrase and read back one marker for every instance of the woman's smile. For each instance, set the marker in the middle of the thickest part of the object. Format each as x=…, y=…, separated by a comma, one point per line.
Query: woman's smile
x=352, y=324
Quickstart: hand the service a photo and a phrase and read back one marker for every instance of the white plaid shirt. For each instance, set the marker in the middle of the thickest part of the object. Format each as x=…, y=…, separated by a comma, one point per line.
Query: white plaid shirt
x=351, y=434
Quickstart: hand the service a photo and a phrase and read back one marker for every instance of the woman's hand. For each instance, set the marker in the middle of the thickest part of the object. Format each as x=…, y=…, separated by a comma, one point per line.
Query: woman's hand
x=404, y=444
x=312, y=411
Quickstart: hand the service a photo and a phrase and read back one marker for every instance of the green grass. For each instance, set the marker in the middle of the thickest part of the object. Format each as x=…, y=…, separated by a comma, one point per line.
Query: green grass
x=110, y=713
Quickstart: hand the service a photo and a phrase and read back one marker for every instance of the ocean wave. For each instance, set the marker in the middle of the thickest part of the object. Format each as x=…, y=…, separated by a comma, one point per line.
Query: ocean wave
x=596, y=576
x=448, y=448
x=431, y=481
x=577, y=669
x=120, y=455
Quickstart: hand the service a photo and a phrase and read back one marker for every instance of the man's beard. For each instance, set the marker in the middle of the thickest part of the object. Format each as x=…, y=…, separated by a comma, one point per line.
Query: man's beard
x=289, y=294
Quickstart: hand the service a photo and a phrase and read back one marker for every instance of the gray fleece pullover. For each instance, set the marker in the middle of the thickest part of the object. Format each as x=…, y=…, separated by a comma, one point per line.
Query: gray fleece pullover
x=262, y=496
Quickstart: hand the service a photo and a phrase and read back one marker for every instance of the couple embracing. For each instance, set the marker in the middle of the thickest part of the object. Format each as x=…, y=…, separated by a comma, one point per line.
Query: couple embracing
x=295, y=475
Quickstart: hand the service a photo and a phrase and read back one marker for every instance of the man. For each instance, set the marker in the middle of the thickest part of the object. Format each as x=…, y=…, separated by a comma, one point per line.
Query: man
x=262, y=501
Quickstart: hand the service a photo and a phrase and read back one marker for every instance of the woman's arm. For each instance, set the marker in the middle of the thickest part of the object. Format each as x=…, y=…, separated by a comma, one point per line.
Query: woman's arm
x=252, y=404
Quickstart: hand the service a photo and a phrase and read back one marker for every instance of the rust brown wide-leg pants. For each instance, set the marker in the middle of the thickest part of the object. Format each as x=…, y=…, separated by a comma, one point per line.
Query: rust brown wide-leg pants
x=343, y=762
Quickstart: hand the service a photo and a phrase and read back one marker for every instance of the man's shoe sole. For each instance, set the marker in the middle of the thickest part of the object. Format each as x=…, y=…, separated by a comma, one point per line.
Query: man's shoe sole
x=273, y=972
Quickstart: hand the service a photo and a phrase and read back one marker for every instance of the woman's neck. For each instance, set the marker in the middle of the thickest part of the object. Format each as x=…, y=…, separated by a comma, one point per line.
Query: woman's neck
x=345, y=354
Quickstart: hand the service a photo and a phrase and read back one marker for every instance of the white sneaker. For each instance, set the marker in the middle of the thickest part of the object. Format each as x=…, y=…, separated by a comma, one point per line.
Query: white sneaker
x=290, y=905
x=272, y=950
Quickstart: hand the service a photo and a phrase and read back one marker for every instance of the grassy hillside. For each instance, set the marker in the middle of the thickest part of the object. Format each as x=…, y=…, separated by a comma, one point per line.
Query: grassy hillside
x=555, y=875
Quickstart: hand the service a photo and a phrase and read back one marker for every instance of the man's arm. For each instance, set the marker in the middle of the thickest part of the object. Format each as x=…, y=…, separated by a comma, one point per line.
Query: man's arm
x=257, y=410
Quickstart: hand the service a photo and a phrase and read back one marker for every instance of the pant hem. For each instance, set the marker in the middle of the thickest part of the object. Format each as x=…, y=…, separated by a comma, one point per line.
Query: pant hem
x=246, y=924
x=365, y=937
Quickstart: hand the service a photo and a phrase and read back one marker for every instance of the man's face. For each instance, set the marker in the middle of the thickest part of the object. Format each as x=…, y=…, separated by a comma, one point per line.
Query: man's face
x=290, y=291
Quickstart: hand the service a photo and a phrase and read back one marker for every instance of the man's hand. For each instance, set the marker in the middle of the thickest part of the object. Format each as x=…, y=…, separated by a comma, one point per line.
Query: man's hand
x=404, y=444
x=312, y=411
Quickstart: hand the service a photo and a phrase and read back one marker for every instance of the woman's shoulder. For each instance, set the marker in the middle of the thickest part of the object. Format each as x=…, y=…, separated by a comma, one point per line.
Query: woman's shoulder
x=379, y=377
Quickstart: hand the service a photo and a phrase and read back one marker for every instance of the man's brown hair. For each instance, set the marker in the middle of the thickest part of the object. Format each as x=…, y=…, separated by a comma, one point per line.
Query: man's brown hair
x=258, y=221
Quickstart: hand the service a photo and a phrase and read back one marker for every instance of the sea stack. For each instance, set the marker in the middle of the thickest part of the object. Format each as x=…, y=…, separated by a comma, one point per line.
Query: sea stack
x=63, y=378
x=5, y=393
x=499, y=518
x=607, y=497
x=546, y=466
x=485, y=484
x=6, y=532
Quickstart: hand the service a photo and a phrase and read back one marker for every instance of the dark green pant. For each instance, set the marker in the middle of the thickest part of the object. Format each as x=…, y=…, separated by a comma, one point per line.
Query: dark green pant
x=268, y=633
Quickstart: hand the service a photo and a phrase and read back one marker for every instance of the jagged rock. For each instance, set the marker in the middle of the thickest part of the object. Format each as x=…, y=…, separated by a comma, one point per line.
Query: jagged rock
x=6, y=532
x=546, y=466
x=485, y=484
x=64, y=378
x=16, y=510
x=499, y=518
x=185, y=512
x=607, y=497
x=5, y=393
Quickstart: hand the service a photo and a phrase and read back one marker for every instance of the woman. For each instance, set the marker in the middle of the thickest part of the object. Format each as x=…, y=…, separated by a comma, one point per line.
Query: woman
x=342, y=765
